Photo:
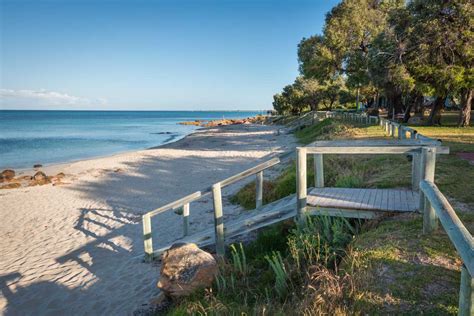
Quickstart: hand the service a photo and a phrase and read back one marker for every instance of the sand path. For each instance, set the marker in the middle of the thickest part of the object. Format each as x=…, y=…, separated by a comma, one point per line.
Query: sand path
x=68, y=250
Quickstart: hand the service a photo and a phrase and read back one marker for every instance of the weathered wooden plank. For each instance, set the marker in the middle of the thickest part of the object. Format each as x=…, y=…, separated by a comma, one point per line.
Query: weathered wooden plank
x=301, y=185
x=385, y=200
x=178, y=203
x=147, y=237
x=269, y=214
x=186, y=219
x=318, y=171
x=370, y=200
x=373, y=143
x=218, y=219
x=428, y=165
x=455, y=229
x=404, y=200
x=415, y=171
x=466, y=293
x=371, y=150
x=393, y=201
x=341, y=212
x=362, y=199
x=259, y=190
x=249, y=172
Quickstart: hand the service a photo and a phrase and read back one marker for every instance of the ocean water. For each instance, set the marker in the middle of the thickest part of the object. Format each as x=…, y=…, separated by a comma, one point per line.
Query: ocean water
x=49, y=137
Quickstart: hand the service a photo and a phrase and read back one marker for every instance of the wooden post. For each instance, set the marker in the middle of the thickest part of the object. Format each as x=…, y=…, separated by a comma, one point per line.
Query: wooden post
x=428, y=163
x=218, y=219
x=415, y=171
x=402, y=134
x=466, y=297
x=318, y=171
x=186, y=219
x=259, y=190
x=393, y=130
x=301, y=185
x=147, y=237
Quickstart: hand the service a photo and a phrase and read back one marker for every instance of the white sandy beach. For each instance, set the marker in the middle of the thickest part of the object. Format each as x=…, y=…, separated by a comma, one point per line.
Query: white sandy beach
x=70, y=249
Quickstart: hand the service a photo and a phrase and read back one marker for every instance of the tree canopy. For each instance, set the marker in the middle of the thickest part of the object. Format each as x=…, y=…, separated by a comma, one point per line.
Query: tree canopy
x=401, y=50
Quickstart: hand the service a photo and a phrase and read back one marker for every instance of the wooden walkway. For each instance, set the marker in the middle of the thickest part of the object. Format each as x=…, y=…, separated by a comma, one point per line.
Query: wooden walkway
x=391, y=200
x=354, y=203
x=344, y=202
x=271, y=213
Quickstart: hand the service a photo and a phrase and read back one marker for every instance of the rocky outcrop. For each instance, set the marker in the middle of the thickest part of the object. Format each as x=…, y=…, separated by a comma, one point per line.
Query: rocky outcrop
x=186, y=268
x=7, y=175
x=40, y=178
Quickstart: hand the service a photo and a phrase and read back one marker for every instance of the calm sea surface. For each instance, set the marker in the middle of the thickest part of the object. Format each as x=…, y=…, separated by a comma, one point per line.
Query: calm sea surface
x=47, y=137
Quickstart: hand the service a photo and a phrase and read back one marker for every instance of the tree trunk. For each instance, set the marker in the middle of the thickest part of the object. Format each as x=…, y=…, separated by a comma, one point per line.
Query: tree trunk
x=465, y=114
x=419, y=110
x=396, y=105
x=415, y=102
x=435, y=114
x=407, y=115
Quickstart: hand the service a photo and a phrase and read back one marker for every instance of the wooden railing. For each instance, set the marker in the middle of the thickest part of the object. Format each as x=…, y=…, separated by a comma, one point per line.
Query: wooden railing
x=425, y=170
x=436, y=207
x=216, y=191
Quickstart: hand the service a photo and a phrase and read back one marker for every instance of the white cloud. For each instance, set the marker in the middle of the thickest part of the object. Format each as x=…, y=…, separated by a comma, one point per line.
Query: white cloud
x=44, y=99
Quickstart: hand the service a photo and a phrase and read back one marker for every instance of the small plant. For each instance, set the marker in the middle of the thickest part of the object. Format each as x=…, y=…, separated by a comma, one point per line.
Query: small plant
x=321, y=239
x=239, y=259
x=281, y=275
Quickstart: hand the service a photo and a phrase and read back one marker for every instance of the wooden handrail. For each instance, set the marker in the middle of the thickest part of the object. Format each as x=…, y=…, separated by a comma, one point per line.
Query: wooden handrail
x=372, y=150
x=249, y=172
x=215, y=189
x=457, y=232
x=180, y=202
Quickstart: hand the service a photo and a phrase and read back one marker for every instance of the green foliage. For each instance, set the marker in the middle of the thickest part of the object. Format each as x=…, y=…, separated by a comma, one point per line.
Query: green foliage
x=319, y=240
x=391, y=49
x=238, y=259
x=309, y=94
x=281, y=275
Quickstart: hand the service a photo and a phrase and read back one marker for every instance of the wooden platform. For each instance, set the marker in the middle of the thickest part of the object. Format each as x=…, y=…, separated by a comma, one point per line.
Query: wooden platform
x=391, y=200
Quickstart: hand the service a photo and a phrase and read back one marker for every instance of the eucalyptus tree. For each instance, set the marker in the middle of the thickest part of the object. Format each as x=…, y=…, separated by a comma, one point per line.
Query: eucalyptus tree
x=442, y=51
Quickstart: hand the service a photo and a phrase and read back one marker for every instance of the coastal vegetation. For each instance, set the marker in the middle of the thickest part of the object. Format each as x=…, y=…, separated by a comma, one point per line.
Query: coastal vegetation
x=334, y=266
x=402, y=55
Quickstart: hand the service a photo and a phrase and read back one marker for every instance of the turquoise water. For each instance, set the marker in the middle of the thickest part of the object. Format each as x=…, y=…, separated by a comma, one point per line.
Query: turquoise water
x=48, y=137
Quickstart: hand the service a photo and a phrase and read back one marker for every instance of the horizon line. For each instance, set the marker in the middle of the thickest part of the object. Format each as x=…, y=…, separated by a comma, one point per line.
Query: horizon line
x=115, y=110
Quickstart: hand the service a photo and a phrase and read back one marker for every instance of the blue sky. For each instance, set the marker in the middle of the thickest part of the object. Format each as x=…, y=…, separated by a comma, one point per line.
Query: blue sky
x=154, y=55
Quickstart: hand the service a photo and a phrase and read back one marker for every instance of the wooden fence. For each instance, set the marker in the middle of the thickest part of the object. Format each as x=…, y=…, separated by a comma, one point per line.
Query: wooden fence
x=405, y=140
x=436, y=208
x=216, y=191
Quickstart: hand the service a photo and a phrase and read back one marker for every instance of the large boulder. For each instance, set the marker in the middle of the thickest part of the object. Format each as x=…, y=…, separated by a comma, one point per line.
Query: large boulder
x=186, y=268
x=7, y=175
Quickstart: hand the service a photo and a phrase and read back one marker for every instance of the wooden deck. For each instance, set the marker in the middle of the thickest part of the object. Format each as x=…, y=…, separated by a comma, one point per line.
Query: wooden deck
x=391, y=200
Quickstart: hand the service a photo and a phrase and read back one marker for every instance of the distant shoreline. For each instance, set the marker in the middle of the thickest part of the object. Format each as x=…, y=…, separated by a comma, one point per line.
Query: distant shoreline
x=58, y=137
